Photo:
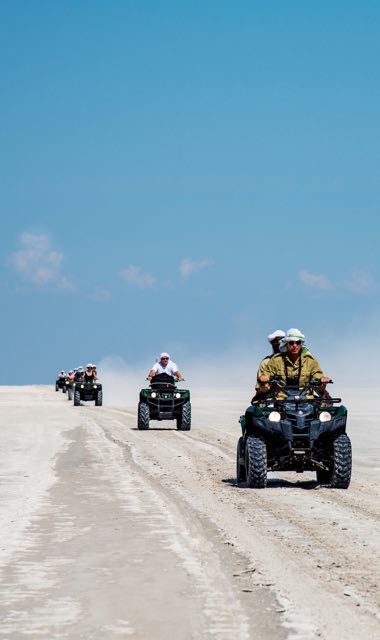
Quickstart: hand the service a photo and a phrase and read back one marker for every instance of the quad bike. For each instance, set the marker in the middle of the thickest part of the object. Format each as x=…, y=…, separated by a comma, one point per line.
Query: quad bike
x=60, y=383
x=302, y=432
x=164, y=401
x=88, y=392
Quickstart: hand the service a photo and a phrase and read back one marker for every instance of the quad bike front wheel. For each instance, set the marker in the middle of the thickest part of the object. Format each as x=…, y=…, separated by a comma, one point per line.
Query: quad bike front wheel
x=256, y=463
x=76, y=398
x=342, y=465
x=143, y=416
x=184, y=420
x=99, y=398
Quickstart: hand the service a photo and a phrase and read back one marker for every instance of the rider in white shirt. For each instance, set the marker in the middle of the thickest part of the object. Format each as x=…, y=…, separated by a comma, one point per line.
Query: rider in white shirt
x=165, y=365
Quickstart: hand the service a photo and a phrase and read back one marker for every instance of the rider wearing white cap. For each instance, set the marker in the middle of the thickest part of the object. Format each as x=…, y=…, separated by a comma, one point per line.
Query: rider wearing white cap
x=165, y=365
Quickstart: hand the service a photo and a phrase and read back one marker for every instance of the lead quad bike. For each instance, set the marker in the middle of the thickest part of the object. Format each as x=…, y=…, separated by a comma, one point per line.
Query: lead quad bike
x=88, y=392
x=164, y=401
x=305, y=431
x=60, y=383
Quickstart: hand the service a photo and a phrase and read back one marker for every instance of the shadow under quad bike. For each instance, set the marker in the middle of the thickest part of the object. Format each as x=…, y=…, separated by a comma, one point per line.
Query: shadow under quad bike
x=88, y=391
x=164, y=401
x=302, y=432
x=60, y=383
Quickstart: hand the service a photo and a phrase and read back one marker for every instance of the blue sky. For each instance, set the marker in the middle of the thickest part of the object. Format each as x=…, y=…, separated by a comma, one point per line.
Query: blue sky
x=185, y=176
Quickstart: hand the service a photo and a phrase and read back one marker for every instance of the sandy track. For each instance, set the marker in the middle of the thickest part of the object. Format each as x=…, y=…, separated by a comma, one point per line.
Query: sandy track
x=214, y=560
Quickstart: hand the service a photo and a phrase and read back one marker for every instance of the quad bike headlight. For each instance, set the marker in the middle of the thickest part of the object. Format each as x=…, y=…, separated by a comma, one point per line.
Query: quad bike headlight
x=177, y=395
x=153, y=394
x=82, y=386
x=274, y=416
x=324, y=416
x=95, y=386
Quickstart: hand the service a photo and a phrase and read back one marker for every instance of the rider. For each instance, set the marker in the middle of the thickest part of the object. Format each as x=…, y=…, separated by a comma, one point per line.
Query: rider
x=89, y=374
x=165, y=365
x=294, y=367
x=79, y=374
x=71, y=375
x=62, y=374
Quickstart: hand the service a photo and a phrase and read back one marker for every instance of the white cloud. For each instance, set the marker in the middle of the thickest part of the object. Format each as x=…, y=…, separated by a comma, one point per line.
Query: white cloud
x=188, y=266
x=38, y=263
x=360, y=282
x=136, y=277
x=314, y=281
x=101, y=295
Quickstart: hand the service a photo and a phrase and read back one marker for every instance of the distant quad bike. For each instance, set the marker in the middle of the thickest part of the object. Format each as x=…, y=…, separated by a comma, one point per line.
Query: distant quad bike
x=88, y=391
x=60, y=384
x=164, y=401
x=303, y=432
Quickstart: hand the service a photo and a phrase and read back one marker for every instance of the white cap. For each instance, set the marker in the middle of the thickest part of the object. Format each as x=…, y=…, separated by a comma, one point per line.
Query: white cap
x=276, y=334
x=89, y=365
x=294, y=334
x=164, y=355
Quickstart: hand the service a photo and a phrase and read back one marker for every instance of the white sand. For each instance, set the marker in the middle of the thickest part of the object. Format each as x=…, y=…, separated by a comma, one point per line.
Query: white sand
x=108, y=532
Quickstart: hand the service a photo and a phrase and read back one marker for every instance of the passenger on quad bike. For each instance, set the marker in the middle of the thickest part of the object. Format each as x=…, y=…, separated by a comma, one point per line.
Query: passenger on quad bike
x=165, y=365
x=294, y=367
x=274, y=340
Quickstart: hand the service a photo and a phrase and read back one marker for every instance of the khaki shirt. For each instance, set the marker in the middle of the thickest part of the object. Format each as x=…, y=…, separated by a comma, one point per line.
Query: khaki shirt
x=310, y=368
x=260, y=370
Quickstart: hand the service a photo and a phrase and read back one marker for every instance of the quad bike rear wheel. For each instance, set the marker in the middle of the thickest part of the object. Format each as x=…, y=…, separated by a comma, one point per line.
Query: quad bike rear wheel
x=184, y=420
x=256, y=462
x=241, y=475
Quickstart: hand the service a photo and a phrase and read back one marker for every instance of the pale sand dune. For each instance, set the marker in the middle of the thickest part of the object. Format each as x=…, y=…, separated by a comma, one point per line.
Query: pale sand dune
x=108, y=532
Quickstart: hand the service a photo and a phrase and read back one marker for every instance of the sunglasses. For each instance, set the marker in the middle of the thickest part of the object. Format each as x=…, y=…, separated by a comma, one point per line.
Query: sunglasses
x=164, y=358
x=294, y=342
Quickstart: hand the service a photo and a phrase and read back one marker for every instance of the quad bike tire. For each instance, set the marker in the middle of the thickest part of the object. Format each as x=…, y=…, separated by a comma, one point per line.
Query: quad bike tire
x=76, y=398
x=70, y=393
x=99, y=398
x=256, y=463
x=56, y=387
x=184, y=420
x=342, y=465
x=143, y=416
x=241, y=475
x=64, y=389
